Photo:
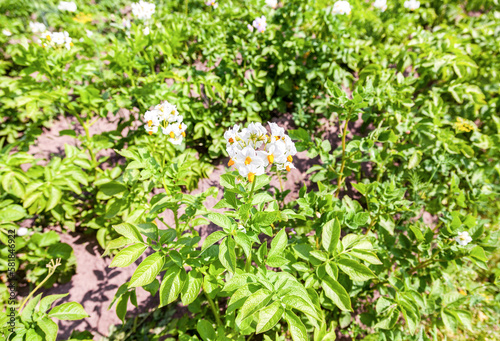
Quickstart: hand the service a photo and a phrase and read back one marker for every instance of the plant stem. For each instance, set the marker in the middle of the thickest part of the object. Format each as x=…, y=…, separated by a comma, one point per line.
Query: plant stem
x=339, y=185
x=214, y=310
x=163, y=157
x=248, y=263
x=52, y=269
x=251, y=191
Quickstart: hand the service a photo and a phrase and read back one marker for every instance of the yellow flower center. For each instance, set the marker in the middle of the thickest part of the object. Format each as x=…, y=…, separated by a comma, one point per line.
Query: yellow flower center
x=230, y=163
x=231, y=140
x=172, y=135
x=183, y=134
x=277, y=138
x=248, y=160
x=150, y=123
x=150, y=132
x=287, y=168
x=48, y=37
x=289, y=158
x=251, y=177
x=173, y=112
x=270, y=158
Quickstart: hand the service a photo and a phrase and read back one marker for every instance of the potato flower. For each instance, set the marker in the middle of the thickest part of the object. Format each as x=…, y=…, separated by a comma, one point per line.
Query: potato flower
x=341, y=7
x=22, y=231
x=67, y=6
x=37, y=27
x=272, y=3
x=412, y=4
x=380, y=4
x=252, y=150
x=260, y=24
x=166, y=117
x=212, y=3
x=56, y=39
x=6, y=32
x=463, y=238
x=143, y=10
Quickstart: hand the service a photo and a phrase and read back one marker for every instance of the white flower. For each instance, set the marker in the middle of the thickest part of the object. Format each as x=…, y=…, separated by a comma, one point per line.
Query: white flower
x=143, y=10
x=89, y=33
x=272, y=3
x=242, y=228
x=380, y=4
x=126, y=23
x=166, y=117
x=341, y=7
x=412, y=4
x=37, y=27
x=55, y=39
x=250, y=27
x=22, y=231
x=212, y=3
x=260, y=24
x=251, y=149
x=463, y=238
x=67, y=6
x=6, y=32
x=145, y=31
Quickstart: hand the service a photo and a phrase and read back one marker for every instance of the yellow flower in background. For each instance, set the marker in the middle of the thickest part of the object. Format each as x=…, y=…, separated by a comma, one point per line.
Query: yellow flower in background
x=83, y=18
x=463, y=125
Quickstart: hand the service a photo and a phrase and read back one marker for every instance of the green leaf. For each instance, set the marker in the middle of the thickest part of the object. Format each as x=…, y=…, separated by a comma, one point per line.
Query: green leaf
x=254, y=303
x=227, y=255
x=212, y=239
x=449, y=319
x=206, y=330
x=147, y=271
x=415, y=160
x=242, y=240
x=269, y=316
x=191, y=288
x=71, y=311
x=171, y=285
x=46, y=302
x=29, y=308
x=355, y=270
x=336, y=292
x=367, y=256
x=259, y=198
x=128, y=255
x=129, y=231
x=465, y=318
x=297, y=302
x=112, y=188
x=296, y=327
x=331, y=235
x=12, y=213
x=389, y=319
x=478, y=253
x=49, y=327
x=278, y=244
x=54, y=198
x=220, y=220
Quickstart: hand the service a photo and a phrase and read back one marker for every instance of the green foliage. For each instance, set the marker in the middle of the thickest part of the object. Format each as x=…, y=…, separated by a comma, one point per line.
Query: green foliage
x=397, y=109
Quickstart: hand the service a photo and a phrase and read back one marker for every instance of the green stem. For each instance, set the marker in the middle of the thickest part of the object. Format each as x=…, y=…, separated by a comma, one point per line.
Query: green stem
x=248, y=263
x=163, y=157
x=52, y=269
x=251, y=191
x=214, y=310
x=339, y=185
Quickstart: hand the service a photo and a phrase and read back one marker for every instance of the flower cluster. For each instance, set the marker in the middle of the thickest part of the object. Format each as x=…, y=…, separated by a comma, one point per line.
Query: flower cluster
x=37, y=27
x=272, y=3
x=166, y=117
x=380, y=4
x=341, y=7
x=67, y=6
x=259, y=23
x=463, y=238
x=212, y=3
x=463, y=125
x=251, y=150
x=143, y=10
x=412, y=4
x=54, y=39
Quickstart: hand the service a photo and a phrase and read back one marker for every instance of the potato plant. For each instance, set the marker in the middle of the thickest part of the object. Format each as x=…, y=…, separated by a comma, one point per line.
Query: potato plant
x=386, y=110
